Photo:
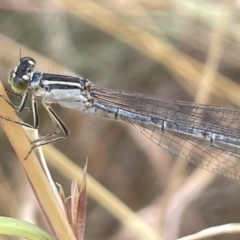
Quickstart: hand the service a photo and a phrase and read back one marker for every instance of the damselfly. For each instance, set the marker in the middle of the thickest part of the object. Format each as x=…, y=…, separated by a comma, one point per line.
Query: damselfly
x=205, y=135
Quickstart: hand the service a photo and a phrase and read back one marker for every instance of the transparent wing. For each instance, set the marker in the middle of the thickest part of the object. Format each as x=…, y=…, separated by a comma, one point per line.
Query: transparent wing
x=202, y=155
x=226, y=121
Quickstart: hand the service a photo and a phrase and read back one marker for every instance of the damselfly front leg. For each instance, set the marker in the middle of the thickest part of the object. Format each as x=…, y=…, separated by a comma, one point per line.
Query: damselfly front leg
x=22, y=106
x=17, y=108
x=22, y=81
x=18, y=80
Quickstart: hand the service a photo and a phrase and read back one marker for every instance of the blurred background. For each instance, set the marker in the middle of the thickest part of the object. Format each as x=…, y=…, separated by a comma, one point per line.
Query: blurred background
x=186, y=50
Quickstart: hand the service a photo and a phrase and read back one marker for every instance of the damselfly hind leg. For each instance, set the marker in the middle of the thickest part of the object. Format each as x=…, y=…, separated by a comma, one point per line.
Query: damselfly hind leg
x=55, y=136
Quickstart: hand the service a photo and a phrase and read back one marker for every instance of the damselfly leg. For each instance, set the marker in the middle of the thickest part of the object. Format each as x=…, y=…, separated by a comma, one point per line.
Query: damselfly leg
x=16, y=108
x=60, y=133
x=60, y=128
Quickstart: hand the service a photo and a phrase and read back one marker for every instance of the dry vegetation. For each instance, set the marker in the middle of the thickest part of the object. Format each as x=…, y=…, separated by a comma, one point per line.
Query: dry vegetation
x=187, y=50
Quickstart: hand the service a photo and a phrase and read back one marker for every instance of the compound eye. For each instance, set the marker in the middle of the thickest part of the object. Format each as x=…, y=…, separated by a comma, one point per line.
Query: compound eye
x=28, y=62
x=31, y=63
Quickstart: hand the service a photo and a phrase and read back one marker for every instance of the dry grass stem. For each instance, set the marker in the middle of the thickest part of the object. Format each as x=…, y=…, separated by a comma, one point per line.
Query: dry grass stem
x=34, y=172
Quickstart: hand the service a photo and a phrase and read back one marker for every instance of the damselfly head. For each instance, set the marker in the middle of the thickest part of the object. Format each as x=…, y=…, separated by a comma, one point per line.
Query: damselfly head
x=21, y=76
